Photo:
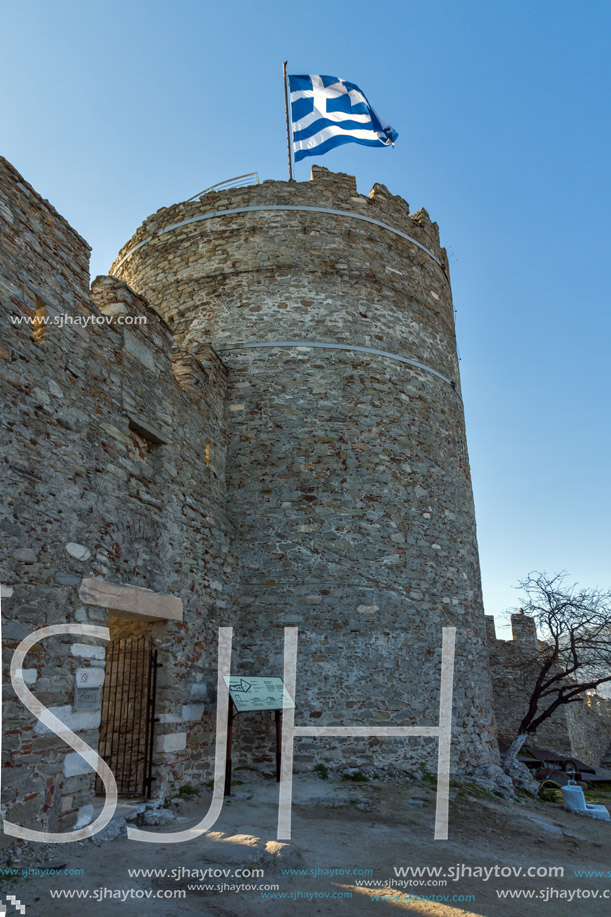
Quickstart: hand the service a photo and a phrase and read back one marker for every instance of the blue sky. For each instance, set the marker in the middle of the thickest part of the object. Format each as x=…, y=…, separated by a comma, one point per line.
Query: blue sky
x=112, y=110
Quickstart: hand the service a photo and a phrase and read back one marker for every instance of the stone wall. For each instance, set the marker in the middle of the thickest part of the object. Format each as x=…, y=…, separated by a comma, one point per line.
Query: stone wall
x=160, y=489
x=348, y=476
x=589, y=726
x=113, y=464
x=581, y=728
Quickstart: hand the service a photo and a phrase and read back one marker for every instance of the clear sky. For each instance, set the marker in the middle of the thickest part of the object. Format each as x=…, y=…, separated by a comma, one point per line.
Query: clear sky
x=113, y=109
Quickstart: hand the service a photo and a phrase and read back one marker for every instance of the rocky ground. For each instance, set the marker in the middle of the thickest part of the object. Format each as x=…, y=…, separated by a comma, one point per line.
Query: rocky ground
x=340, y=828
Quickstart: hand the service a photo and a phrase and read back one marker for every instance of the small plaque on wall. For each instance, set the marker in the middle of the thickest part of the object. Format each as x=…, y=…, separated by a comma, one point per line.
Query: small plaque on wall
x=87, y=698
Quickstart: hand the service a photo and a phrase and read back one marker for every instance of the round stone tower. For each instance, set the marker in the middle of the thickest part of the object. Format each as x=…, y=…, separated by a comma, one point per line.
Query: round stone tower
x=347, y=471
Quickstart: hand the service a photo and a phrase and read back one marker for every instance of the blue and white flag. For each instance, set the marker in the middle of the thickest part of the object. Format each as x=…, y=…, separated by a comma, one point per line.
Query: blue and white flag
x=327, y=111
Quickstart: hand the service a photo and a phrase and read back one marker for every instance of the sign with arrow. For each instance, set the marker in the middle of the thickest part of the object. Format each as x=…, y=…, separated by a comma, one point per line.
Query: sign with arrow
x=258, y=693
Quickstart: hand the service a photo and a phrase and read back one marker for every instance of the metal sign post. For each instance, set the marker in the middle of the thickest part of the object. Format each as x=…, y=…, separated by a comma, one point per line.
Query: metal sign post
x=278, y=717
x=230, y=719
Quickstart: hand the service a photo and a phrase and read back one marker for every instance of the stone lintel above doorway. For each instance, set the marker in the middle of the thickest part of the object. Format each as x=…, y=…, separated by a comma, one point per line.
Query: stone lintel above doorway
x=131, y=601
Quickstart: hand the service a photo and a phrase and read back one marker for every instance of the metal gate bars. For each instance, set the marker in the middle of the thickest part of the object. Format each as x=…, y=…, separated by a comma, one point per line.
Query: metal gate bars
x=128, y=715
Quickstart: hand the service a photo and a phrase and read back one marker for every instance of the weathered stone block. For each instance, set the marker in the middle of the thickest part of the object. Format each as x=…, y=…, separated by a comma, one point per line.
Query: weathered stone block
x=78, y=551
x=167, y=744
x=88, y=651
x=132, y=599
x=192, y=712
x=25, y=555
x=198, y=692
x=136, y=348
x=74, y=765
x=66, y=579
x=74, y=721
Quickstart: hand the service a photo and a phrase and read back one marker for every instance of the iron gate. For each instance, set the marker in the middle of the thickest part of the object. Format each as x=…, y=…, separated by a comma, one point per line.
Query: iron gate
x=128, y=715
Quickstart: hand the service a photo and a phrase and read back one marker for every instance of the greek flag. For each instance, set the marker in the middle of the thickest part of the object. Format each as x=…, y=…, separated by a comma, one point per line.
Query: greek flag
x=327, y=111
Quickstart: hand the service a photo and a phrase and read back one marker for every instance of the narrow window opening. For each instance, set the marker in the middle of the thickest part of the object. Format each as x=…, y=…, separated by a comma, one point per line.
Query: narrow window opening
x=147, y=442
x=39, y=325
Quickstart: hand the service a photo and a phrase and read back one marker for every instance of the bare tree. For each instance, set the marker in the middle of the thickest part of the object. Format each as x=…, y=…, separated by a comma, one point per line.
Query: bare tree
x=574, y=629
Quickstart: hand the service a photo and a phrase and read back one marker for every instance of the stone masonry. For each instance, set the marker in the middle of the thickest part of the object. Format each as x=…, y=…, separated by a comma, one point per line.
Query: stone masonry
x=581, y=729
x=113, y=465
x=254, y=421
x=347, y=474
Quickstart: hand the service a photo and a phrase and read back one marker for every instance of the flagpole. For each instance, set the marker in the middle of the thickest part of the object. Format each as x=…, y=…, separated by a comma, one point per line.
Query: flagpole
x=288, y=126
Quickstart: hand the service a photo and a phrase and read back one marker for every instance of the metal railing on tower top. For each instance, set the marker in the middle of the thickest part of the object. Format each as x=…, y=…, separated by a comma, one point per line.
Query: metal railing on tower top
x=240, y=181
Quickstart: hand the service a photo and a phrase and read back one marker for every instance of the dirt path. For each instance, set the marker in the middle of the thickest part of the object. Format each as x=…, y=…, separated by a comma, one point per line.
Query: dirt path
x=342, y=827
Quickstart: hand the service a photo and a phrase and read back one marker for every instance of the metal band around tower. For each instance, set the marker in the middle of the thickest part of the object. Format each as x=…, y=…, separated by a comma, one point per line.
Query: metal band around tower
x=349, y=347
x=292, y=207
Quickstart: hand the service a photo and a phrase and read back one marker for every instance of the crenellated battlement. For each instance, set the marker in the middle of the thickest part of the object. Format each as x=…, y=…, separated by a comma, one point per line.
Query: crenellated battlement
x=326, y=190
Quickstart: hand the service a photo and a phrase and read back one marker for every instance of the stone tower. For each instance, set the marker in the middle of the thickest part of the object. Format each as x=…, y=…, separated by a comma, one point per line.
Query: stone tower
x=348, y=476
